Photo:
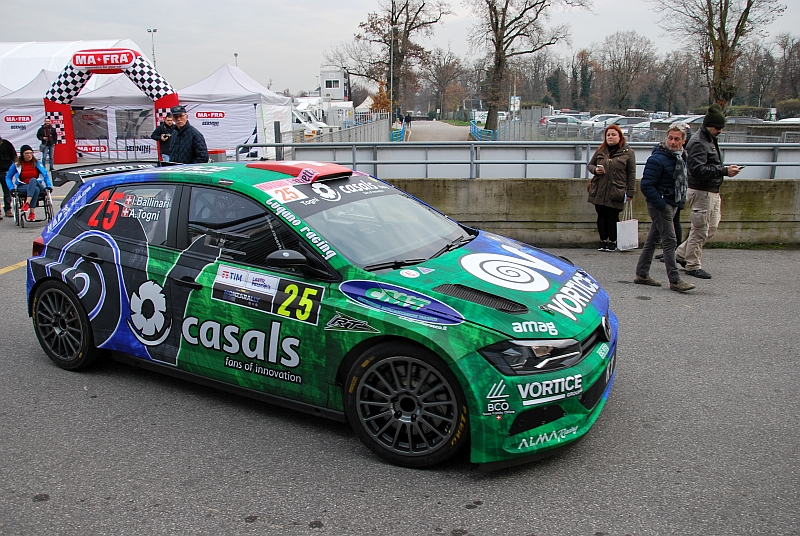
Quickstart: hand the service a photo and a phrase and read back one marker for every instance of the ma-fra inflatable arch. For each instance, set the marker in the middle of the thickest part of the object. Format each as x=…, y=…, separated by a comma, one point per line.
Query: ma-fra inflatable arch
x=73, y=78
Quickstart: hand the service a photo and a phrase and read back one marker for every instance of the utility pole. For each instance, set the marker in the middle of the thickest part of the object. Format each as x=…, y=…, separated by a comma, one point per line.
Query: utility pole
x=152, y=32
x=391, y=71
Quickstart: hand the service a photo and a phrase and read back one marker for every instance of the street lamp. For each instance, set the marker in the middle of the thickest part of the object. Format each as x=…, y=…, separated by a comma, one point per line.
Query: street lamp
x=236, y=58
x=152, y=32
x=391, y=71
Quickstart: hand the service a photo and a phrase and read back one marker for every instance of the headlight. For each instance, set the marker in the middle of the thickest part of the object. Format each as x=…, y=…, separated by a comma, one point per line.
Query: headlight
x=531, y=357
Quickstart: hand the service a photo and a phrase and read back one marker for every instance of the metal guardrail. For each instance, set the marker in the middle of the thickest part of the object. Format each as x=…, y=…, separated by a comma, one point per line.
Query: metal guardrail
x=398, y=135
x=360, y=155
x=481, y=134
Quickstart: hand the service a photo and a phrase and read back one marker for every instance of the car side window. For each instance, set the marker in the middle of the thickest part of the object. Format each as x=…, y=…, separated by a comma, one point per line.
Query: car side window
x=129, y=210
x=243, y=230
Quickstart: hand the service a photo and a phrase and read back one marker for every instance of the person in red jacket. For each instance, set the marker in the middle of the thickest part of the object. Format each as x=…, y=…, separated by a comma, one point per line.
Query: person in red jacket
x=31, y=174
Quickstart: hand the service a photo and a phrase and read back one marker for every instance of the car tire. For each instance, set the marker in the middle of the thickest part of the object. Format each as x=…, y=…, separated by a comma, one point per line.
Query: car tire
x=62, y=327
x=406, y=405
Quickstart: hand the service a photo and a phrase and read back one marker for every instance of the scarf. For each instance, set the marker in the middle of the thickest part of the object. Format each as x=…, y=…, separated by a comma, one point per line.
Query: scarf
x=679, y=176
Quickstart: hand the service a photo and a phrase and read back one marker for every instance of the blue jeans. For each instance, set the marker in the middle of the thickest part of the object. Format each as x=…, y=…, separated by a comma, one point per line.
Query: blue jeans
x=47, y=151
x=34, y=189
x=164, y=157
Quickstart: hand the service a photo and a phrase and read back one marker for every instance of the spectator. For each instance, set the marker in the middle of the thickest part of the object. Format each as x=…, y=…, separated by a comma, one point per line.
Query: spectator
x=48, y=136
x=705, y=176
x=32, y=175
x=614, y=183
x=408, y=120
x=676, y=221
x=187, y=145
x=162, y=135
x=7, y=156
x=664, y=187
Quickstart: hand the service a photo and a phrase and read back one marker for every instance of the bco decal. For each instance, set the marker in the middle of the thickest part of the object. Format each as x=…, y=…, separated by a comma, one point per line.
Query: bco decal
x=536, y=393
x=402, y=302
x=498, y=403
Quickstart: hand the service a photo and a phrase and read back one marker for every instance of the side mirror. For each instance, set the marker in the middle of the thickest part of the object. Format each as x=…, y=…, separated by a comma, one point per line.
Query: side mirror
x=285, y=258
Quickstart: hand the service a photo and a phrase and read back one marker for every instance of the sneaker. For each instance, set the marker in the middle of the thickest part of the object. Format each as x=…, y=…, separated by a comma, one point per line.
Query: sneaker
x=602, y=246
x=660, y=257
x=681, y=286
x=611, y=246
x=31, y=216
x=639, y=280
x=702, y=274
x=25, y=207
x=9, y=214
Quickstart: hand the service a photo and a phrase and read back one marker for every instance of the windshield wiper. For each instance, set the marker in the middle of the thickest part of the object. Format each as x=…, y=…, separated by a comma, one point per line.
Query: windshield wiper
x=397, y=263
x=455, y=244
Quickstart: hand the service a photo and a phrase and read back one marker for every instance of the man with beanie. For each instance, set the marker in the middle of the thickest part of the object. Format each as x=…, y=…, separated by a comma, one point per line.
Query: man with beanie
x=705, y=176
x=7, y=156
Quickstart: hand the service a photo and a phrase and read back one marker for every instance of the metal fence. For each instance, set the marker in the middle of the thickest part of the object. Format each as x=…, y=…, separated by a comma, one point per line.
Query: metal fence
x=543, y=159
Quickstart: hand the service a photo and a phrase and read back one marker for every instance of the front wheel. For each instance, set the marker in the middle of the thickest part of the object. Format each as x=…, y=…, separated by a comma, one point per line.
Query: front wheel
x=406, y=405
x=62, y=326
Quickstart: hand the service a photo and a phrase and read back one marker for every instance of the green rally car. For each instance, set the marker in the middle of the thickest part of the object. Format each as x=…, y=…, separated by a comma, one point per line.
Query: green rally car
x=319, y=288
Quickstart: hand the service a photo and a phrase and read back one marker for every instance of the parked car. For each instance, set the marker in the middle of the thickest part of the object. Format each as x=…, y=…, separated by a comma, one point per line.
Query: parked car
x=640, y=132
x=600, y=120
x=321, y=289
x=562, y=125
x=737, y=120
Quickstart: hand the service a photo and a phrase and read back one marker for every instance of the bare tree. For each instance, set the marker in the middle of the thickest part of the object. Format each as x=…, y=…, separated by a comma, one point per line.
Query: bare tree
x=626, y=56
x=442, y=69
x=789, y=66
x=510, y=28
x=718, y=28
x=385, y=48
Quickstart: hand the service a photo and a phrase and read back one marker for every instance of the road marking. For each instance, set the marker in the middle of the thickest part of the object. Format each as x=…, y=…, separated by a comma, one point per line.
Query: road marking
x=13, y=267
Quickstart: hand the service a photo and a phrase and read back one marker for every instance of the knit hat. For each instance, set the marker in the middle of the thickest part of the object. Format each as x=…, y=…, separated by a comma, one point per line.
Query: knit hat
x=714, y=117
x=25, y=148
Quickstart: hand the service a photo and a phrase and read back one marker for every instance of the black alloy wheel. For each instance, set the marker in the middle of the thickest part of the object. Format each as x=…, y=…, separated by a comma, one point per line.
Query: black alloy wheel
x=62, y=326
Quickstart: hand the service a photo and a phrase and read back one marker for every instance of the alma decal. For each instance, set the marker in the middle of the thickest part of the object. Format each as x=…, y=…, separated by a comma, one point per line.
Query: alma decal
x=401, y=302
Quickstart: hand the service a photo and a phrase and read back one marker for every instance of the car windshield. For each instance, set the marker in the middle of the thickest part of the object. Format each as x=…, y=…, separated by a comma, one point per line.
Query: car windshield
x=387, y=231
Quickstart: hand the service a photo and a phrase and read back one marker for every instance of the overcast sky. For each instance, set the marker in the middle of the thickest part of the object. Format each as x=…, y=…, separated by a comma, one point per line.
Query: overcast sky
x=283, y=43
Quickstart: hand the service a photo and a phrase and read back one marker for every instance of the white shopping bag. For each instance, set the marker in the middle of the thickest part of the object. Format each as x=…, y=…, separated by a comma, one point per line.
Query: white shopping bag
x=627, y=229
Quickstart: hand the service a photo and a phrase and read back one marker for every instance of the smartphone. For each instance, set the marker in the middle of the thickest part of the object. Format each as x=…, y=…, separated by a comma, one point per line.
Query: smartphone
x=741, y=167
x=600, y=167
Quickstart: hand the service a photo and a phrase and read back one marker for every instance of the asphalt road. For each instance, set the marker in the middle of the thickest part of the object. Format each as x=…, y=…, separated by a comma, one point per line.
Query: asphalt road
x=699, y=436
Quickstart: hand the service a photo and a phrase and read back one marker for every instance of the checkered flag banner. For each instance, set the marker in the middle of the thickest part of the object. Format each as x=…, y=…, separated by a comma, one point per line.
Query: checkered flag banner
x=68, y=84
x=161, y=114
x=147, y=79
x=57, y=120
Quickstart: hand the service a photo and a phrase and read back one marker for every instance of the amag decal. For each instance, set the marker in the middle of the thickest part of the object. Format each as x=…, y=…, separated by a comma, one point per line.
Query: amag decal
x=402, y=302
x=536, y=393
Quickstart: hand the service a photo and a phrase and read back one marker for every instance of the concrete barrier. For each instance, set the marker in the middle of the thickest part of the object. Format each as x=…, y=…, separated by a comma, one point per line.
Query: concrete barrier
x=554, y=212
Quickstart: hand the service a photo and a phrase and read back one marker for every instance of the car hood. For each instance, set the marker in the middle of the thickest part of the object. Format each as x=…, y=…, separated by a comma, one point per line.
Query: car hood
x=505, y=285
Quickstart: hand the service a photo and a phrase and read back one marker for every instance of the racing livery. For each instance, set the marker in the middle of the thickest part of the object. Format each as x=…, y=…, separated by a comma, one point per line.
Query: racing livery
x=323, y=289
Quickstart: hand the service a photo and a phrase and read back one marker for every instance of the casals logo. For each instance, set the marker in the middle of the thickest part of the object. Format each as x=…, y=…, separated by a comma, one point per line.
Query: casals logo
x=99, y=60
x=18, y=119
x=401, y=302
x=209, y=115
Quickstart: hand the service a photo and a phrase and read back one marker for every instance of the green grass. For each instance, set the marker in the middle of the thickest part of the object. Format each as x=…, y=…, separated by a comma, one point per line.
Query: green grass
x=456, y=123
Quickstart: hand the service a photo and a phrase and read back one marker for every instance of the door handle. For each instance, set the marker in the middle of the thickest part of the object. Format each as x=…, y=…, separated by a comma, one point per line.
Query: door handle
x=92, y=257
x=187, y=281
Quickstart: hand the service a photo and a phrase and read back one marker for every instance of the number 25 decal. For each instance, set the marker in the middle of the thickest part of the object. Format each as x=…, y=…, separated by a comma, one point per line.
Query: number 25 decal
x=298, y=301
x=287, y=194
x=111, y=213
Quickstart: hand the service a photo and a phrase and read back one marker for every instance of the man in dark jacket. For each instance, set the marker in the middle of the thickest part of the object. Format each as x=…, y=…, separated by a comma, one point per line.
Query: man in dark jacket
x=47, y=135
x=7, y=156
x=705, y=176
x=664, y=187
x=187, y=145
x=162, y=134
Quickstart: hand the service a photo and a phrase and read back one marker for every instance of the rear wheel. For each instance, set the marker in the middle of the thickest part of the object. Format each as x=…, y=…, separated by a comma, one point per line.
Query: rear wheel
x=406, y=405
x=62, y=326
x=15, y=208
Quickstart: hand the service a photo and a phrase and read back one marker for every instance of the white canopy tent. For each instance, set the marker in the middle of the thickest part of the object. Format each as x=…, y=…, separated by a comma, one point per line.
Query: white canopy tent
x=22, y=110
x=230, y=108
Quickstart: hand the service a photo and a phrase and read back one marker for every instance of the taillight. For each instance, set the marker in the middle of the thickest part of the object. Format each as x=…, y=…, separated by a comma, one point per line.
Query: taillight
x=38, y=246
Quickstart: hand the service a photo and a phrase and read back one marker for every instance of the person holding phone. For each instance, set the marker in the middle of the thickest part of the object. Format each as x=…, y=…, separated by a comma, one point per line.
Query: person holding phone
x=162, y=135
x=705, y=174
x=613, y=184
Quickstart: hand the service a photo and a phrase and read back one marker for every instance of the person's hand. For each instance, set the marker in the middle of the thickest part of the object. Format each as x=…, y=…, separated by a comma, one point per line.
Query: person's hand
x=49, y=189
x=163, y=137
x=600, y=169
x=733, y=170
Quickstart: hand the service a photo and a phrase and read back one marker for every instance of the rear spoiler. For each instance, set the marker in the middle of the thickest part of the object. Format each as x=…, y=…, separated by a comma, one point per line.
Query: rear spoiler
x=79, y=173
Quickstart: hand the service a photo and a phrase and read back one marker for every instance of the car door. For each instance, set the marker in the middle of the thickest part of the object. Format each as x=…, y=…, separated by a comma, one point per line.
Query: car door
x=122, y=253
x=244, y=322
